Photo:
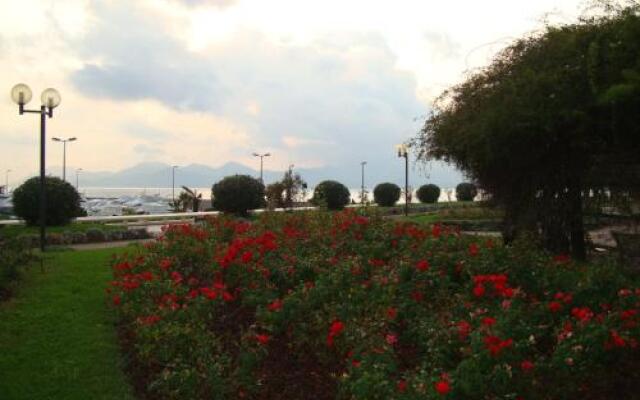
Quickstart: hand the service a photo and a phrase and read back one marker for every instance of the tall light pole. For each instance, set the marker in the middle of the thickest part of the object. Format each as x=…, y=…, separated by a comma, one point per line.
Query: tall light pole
x=64, y=153
x=6, y=186
x=403, y=151
x=173, y=183
x=262, y=156
x=77, y=175
x=363, y=163
x=21, y=94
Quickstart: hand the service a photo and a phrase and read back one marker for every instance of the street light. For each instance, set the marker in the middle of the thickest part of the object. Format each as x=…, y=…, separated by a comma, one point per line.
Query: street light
x=64, y=153
x=403, y=151
x=262, y=156
x=363, y=163
x=173, y=184
x=77, y=174
x=6, y=186
x=21, y=94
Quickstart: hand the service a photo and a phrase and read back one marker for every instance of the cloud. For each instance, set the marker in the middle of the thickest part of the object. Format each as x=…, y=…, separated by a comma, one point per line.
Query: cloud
x=340, y=92
x=214, y=3
x=128, y=57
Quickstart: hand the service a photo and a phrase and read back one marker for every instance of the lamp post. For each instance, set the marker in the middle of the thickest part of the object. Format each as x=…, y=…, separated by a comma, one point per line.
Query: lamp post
x=77, y=175
x=403, y=152
x=173, y=183
x=21, y=94
x=6, y=186
x=363, y=163
x=64, y=153
x=262, y=156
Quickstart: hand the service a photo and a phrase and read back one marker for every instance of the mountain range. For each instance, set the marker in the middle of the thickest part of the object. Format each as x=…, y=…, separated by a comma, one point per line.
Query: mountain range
x=157, y=174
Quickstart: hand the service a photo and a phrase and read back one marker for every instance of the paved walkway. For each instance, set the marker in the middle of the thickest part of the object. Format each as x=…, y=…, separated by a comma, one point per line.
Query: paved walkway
x=107, y=245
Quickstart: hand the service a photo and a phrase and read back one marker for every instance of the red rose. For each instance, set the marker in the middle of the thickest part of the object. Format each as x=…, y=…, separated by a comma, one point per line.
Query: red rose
x=442, y=387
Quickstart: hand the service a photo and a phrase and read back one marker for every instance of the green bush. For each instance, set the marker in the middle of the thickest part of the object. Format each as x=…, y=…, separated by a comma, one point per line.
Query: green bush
x=386, y=194
x=331, y=194
x=63, y=201
x=238, y=194
x=428, y=193
x=466, y=191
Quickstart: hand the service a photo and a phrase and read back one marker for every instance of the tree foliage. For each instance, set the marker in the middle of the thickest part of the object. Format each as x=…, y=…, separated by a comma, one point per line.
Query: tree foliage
x=62, y=201
x=386, y=194
x=331, y=194
x=289, y=190
x=237, y=194
x=552, y=118
x=429, y=193
x=466, y=191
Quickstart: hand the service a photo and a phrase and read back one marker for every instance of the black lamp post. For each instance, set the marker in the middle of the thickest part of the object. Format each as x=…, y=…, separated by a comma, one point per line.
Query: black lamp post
x=262, y=156
x=403, y=151
x=362, y=164
x=64, y=153
x=173, y=184
x=21, y=94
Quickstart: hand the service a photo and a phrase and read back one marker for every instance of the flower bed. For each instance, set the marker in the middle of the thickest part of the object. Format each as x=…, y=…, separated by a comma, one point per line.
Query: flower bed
x=346, y=306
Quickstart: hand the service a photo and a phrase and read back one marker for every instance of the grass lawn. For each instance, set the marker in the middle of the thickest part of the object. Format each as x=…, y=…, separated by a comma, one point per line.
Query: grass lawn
x=57, y=337
x=12, y=231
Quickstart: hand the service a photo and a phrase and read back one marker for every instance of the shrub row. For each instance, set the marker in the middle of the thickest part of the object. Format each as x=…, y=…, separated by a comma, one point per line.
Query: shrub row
x=89, y=236
x=341, y=305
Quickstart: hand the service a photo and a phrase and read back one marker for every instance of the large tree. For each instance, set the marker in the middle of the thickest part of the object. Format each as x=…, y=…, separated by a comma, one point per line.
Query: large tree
x=553, y=117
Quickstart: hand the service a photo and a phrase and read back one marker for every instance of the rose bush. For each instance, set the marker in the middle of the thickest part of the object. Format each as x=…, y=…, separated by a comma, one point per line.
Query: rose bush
x=342, y=305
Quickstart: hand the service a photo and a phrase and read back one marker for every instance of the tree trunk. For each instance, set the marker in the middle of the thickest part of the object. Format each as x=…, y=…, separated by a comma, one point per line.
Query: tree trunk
x=578, y=244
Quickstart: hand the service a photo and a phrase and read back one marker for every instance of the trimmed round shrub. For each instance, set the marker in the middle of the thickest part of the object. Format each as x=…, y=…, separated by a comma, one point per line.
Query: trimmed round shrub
x=63, y=201
x=428, y=193
x=331, y=194
x=237, y=194
x=386, y=194
x=466, y=191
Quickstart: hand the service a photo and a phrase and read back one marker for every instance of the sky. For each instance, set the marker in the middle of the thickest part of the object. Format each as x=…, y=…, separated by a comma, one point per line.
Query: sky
x=317, y=83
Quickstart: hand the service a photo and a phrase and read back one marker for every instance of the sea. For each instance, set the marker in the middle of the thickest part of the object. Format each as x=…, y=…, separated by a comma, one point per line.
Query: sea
x=446, y=194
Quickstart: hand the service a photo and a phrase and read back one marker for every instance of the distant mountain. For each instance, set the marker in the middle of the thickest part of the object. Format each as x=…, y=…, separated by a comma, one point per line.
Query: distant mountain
x=155, y=174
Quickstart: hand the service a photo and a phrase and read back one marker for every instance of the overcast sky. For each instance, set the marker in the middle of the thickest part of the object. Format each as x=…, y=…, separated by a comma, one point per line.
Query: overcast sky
x=315, y=82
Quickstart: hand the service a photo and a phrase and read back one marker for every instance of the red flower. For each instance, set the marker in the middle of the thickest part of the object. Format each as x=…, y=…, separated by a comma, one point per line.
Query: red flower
x=555, y=306
x=582, y=314
x=422, y=265
x=176, y=277
x=464, y=328
x=561, y=259
x=442, y=387
x=526, y=365
x=150, y=320
x=392, y=313
x=417, y=296
x=436, y=230
x=226, y=296
x=478, y=291
x=263, y=339
x=473, y=249
x=391, y=338
x=488, y=321
x=495, y=345
x=617, y=340
x=246, y=257
x=275, y=305
x=402, y=385
x=116, y=300
x=336, y=328
x=165, y=264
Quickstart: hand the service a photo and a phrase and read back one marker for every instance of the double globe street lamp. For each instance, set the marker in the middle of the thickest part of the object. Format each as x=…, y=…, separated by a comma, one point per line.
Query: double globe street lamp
x=21, y=94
